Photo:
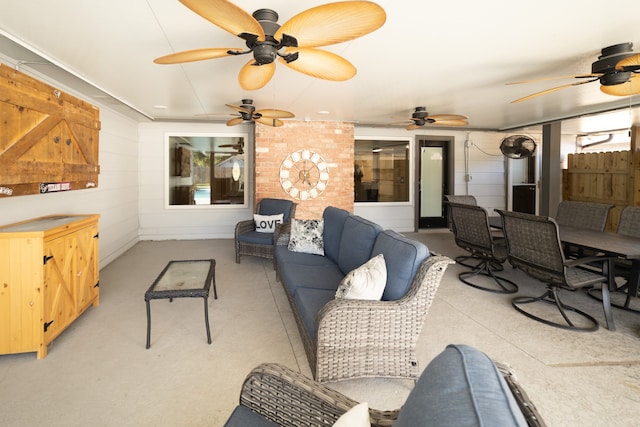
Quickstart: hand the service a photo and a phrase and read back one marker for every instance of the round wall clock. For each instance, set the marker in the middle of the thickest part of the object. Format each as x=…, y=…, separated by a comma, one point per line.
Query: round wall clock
x=304, y=174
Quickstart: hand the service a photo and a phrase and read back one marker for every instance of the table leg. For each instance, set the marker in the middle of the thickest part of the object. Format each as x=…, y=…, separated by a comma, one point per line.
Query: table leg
x=206, y=318
x=148, y=325
x=215, y=290
x=606, y=300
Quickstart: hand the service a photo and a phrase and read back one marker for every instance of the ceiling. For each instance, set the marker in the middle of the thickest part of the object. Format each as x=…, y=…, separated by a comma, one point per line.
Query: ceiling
x=452, y=57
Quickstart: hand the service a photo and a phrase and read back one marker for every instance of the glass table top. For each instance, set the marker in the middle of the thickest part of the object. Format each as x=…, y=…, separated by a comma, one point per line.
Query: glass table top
x=183, y=275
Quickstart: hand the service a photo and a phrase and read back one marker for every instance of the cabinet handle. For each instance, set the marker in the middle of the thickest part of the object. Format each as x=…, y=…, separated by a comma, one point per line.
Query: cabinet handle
x=46, y=325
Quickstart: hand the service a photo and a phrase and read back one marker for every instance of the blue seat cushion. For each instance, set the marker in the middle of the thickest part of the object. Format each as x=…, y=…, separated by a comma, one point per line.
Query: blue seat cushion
x=245, y=417
x=403, y=257
x=358, y=237
x=309, y=302
x=334, y=219
x=311, y=276
x=461, y=387
x=285, y=256
x=256, y=237
x=275, y=207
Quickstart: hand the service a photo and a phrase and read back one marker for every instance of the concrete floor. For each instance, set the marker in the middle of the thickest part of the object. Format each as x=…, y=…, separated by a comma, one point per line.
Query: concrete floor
x=99, y=373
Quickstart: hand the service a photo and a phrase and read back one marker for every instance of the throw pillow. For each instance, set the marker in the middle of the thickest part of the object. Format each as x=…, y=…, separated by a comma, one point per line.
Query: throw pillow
x=306, y=236
x=358, y=416
x=267, y=223
x=365, y=282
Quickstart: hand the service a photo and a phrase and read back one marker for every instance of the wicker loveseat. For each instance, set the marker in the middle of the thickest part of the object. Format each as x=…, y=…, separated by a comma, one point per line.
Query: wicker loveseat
x=350, y=338
x=461, y=387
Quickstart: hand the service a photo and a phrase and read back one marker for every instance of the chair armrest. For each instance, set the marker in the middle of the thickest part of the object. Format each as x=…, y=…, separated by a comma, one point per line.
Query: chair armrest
x=527, y=407
x=282, y=233
x=587, y=260
x=244, y=226
x=289, y=398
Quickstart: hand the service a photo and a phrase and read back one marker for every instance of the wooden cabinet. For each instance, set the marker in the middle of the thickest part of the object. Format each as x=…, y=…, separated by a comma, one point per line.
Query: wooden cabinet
x=49, y=275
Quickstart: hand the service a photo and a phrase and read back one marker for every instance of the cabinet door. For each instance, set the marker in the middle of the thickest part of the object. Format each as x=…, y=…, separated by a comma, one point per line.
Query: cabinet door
x=59, y=306
x=86, y=267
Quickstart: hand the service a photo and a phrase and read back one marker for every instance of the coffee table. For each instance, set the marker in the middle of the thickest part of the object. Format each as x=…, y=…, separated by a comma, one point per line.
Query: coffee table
x=183, y=279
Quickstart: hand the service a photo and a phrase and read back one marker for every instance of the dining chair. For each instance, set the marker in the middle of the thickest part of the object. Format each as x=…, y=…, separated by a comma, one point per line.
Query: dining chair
x=259, y=242
x=465, y=199
x=534, y=246
x=472, y=233
x=628, y=225
x=588, y=215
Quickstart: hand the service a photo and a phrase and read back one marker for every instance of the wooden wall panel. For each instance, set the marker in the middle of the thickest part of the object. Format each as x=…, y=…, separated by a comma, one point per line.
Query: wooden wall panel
x=46, y=137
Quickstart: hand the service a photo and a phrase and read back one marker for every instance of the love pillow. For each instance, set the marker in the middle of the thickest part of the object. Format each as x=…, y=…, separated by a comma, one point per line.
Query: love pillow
x=267, y=223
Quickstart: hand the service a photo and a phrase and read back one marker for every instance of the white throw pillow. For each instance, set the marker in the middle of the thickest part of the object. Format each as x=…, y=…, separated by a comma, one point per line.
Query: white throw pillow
x=267, y=223
x=306, y=236
x=358, y=416
x=365, y=282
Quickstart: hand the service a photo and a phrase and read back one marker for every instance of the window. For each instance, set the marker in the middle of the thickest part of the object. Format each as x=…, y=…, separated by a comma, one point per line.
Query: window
x=381, y=172
x=206, y=170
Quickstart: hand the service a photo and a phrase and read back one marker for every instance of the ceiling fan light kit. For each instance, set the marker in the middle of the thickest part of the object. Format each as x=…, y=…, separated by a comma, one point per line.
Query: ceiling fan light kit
x=295, y=43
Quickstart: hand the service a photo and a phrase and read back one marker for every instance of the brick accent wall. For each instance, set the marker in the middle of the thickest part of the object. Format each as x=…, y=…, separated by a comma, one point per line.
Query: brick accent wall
x=334, y=141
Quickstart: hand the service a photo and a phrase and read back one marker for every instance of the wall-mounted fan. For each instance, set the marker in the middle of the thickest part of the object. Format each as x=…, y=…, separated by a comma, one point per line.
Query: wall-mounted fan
x=518, y=146
x=294, y=42
x=616, y=69
x=421, y=117
x=239, y=146
x=248, y=113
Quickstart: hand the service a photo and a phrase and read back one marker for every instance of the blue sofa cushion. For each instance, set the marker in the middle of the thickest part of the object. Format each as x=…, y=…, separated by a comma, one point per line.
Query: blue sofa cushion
x=356, y=243
x=334, y=219
x=256, y=237
x=276, y=206
x=403, y=257
x=461, y=387
x=285, y=256
x=309, y=302
x=245, y=417
x=310, y=276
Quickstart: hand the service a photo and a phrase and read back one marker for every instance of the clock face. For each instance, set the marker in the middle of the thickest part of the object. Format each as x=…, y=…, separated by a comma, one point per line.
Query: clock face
x=304, y=175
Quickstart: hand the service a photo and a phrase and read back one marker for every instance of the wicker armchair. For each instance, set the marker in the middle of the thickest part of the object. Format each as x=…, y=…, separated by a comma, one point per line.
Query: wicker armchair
x=250, y=242
x=473, y=234
x=534, y=247
x=288, y=398
x=359, y=338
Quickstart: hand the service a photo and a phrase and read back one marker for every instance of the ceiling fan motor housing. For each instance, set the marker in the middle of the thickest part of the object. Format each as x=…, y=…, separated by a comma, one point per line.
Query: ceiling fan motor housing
x=607, y=61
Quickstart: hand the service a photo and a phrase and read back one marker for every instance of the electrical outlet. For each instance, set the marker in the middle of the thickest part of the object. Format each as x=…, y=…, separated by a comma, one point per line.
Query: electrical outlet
x=468, y=177
x=468, y=143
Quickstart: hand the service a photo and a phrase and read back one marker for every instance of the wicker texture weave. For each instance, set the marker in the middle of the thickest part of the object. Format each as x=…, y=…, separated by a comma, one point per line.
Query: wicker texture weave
x=288, y=398
x=253, y=249
x=357, y=338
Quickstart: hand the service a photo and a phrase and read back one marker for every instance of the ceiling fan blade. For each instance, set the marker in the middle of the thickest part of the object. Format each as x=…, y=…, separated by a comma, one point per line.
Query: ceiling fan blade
x=458, y=122
x=275, y=114
x=542, y=79
x=333, y=23
x=412, y=126
x=227, y=16
x=234, y=121
x=630, y=63
x=321, y=64
x=270, y=121
x=239, y=109
x=196, y=55
x=631, y=87
x=253, y=77
x=441, y=117
x=553, y=89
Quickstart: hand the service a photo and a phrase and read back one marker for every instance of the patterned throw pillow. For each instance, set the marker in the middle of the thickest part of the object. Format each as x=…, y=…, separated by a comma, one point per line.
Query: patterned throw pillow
x=267, y=223
x=306, y=236
x=365, y=282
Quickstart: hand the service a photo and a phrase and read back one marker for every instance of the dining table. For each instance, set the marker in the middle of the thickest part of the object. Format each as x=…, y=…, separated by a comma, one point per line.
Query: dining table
x=607, y=244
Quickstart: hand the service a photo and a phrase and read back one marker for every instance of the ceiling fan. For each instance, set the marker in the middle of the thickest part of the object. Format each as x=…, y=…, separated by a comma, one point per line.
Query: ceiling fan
x=239, y=146
x=617, y=70
x=294, y=43
x=248, y=113
x=518, y=146
x=421, y=117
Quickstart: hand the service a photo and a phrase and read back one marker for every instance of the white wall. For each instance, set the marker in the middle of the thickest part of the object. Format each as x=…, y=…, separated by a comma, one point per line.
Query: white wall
x=115, y=198
x=486, y=165
x=161, y=222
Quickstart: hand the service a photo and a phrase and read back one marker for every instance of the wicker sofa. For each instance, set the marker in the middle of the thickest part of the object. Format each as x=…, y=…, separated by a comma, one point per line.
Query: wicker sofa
x=349, y=338
x=460, y=387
